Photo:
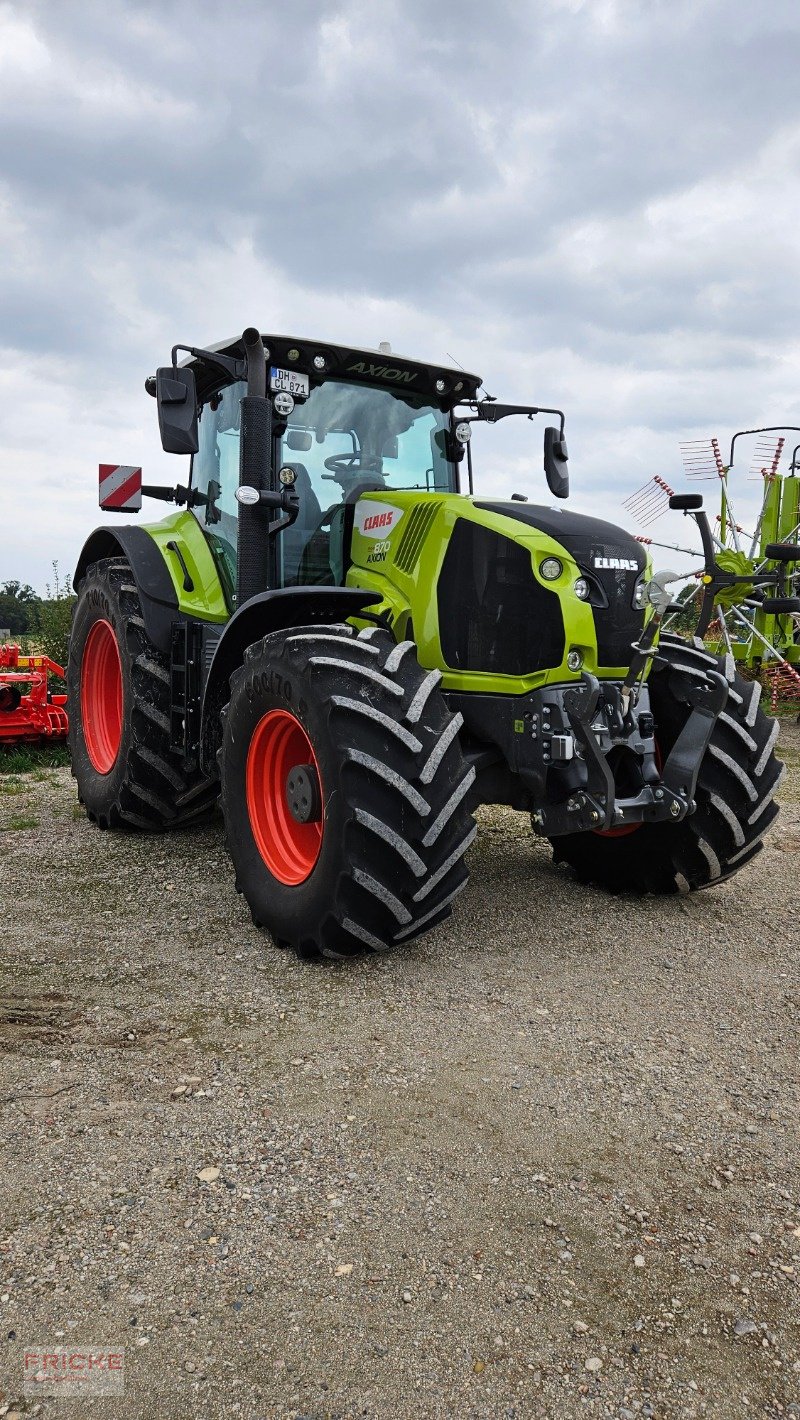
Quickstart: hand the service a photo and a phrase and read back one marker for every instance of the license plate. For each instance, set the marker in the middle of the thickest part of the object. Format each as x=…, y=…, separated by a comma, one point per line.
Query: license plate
x=290, y=382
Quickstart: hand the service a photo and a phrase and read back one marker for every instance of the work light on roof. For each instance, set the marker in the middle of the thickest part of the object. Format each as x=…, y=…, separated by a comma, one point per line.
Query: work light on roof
x=319, y=362
x=440, y=386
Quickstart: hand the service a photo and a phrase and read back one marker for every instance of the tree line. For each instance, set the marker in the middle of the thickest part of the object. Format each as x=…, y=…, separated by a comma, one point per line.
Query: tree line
x=40, y=623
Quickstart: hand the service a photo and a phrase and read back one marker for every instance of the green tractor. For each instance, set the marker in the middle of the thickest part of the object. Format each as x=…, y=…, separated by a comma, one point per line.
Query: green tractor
x=353, y=651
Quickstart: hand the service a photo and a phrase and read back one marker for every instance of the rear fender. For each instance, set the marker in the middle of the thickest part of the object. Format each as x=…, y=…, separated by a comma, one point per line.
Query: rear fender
x=269, y=611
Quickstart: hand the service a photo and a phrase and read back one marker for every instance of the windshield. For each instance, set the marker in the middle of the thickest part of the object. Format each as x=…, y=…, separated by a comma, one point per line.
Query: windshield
x=348, y=434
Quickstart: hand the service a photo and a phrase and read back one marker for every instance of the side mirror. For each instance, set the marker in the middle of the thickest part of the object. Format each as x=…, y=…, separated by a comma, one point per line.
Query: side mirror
x=176, y=393
x=391, y=448
x=556, y=467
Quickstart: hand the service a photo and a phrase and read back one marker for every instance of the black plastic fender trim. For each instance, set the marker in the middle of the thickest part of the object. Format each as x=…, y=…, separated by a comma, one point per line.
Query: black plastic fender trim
x=156, y=590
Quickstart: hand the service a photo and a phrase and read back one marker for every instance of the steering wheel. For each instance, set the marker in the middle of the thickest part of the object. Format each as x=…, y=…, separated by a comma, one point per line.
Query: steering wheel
x=342, y=465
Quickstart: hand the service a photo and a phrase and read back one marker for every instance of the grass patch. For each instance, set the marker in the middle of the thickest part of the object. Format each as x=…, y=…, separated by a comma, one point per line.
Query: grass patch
x=10, y=788
x=23, y=759
x=18, y=821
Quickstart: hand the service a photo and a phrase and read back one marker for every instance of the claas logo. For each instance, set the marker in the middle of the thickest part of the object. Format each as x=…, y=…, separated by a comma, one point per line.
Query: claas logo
x=379, y=520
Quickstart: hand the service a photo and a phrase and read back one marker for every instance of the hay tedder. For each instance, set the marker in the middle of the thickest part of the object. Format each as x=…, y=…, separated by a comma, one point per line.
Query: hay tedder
x=747, y=592
x=29, y=711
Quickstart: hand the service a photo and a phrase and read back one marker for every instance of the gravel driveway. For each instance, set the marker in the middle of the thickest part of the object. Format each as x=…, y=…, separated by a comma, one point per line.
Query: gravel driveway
x=543, y=1163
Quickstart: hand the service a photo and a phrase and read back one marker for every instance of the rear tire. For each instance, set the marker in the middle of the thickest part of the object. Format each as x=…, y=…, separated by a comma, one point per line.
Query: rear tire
x=739, y=777
x=382, y=860
x=118, y=695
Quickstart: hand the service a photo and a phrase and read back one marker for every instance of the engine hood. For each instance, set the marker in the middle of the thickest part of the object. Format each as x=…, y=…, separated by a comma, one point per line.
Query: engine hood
x=596, y=545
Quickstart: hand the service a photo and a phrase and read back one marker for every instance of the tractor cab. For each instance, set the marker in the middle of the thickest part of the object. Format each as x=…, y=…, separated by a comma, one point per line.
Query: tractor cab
x=342, y=421
x=342, y=440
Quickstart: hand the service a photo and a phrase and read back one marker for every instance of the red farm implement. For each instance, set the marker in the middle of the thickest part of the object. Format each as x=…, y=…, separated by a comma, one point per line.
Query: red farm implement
x=29, y=712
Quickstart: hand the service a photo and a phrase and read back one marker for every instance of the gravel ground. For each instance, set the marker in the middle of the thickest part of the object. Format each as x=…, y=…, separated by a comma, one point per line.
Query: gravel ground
x=542, y=1163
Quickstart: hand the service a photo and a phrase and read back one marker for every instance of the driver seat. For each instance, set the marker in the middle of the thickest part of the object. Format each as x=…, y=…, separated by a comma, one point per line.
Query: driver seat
x=326, y=556
x=294, y=538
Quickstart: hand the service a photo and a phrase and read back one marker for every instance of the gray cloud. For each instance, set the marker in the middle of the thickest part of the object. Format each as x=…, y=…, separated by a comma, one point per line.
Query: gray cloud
x=594, y=202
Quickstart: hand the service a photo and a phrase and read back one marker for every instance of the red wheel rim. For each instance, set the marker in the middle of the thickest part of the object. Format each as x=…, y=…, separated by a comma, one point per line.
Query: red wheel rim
x=101, y=696
x=289, y=849
x=621, y=832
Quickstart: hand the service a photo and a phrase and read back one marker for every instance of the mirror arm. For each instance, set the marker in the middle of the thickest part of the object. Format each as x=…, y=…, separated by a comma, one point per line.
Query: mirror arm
x=237, y=369
x=561, y=417
x=490, y=412
x=180, y=495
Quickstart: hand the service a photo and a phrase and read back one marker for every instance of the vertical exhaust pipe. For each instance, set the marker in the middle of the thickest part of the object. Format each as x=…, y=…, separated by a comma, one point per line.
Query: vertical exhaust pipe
x=256, y=363
x=255, y=449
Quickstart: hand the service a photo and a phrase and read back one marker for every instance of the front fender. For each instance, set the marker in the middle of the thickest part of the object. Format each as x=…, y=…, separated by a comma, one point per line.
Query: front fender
x=267, y=612
x=150, y=572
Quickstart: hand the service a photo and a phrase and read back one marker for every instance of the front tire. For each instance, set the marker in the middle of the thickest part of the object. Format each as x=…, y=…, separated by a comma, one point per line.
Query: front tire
x=344, y=791
x=736, y=787
x=118, y=696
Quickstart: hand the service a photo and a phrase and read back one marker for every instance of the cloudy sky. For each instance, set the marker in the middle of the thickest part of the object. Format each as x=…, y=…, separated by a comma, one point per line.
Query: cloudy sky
x=593, y=203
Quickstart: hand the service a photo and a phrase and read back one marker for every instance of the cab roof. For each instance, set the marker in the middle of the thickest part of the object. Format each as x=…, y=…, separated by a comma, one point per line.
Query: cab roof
x=372, y=367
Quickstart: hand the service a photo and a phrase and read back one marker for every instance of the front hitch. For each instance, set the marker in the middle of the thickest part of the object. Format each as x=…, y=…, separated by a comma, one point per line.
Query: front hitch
x=672, y=796
x=707, y=698
x=580, y=705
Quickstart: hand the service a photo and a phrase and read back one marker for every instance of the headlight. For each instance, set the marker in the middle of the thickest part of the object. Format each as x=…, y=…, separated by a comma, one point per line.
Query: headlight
x=574, y=660
x=581, y=589
x=640, y=594
x=551, y=569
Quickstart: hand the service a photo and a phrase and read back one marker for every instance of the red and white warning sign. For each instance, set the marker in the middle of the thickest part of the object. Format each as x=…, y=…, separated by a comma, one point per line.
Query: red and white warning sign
x=120, y=488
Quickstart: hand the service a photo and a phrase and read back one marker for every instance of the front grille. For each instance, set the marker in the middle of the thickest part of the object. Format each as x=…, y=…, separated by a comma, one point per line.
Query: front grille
x=618, y=624
x=493, y=614
x=590, y=540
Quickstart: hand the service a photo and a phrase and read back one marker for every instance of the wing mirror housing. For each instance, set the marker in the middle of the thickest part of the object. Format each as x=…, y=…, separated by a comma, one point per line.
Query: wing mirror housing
x=556, y=467
x=176, y=396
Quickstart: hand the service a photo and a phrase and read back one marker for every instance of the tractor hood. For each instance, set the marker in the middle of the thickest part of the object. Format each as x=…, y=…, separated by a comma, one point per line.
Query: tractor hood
x=464, y=578
x=598, y=547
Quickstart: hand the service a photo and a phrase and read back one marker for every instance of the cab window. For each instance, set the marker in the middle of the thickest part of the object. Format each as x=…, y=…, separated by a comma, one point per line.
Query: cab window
x=344, y=440
x=347, y=439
